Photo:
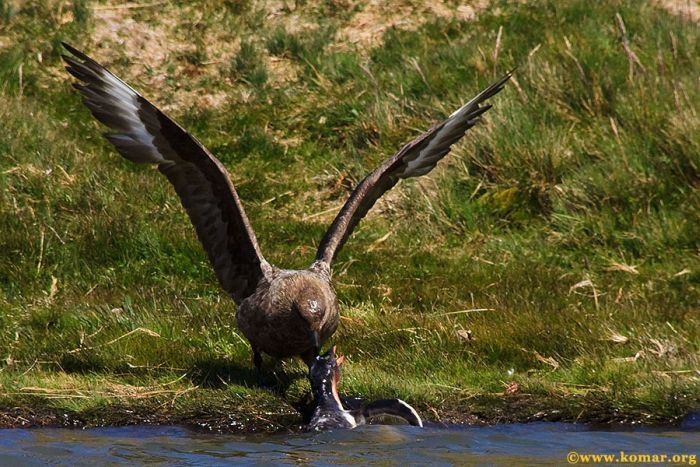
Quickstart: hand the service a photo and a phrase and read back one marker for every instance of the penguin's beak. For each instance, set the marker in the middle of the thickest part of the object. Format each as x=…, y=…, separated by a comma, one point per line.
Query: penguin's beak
x=316, y=342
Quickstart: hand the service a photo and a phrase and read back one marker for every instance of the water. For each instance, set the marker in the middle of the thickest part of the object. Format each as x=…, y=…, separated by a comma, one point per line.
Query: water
x=517, y=444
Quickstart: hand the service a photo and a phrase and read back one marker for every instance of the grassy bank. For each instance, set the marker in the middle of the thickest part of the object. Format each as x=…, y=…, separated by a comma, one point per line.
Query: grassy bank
x=548, y=269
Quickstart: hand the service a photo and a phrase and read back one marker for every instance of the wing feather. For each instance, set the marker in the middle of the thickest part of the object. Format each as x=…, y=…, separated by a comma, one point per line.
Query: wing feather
x=144, y=134
x=413, y=160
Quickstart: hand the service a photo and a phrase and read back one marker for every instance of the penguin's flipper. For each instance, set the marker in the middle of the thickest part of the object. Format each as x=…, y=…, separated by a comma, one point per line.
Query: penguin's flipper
x=395, y=407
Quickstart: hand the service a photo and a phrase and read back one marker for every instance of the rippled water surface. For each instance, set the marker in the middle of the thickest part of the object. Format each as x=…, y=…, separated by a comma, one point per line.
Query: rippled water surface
x=516, y=444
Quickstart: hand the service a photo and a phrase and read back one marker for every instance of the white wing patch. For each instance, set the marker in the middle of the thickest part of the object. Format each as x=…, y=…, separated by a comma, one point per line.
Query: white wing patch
x=133, y=131
x=128, y=100
x=422, y=163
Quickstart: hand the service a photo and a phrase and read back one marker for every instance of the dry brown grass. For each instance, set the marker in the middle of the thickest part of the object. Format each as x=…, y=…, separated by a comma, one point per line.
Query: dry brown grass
x=366, y=28
x=146, y=44
x=687, y=9
x=149, y=38
x=146, y=39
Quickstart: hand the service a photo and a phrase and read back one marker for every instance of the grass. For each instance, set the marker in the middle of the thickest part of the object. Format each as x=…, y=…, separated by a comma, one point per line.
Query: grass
x=549, y=268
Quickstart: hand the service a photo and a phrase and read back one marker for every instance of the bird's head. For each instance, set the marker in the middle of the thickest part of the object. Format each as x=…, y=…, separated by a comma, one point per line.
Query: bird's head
x=311, y=305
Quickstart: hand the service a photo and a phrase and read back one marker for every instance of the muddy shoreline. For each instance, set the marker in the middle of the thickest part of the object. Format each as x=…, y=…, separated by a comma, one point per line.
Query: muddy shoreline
x=289, y=420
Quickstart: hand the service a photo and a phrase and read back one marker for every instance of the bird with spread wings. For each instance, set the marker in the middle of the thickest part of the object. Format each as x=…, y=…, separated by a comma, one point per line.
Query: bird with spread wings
x=281, y=312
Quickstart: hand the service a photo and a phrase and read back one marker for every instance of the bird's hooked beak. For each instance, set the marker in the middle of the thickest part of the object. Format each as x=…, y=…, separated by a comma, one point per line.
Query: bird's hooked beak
x=316, y=342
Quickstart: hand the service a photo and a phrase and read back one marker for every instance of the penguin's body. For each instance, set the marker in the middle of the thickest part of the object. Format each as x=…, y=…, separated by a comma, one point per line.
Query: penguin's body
x=329, y=412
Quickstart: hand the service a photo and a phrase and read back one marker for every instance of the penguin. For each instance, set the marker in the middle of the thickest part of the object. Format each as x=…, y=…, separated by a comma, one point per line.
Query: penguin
x=329, y=413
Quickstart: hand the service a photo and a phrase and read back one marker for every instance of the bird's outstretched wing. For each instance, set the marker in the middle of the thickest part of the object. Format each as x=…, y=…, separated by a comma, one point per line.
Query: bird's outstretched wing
x=413, y=160
x=142, y=133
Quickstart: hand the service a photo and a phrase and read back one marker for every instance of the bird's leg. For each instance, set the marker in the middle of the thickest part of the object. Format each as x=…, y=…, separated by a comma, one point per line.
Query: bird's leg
x=257, y=361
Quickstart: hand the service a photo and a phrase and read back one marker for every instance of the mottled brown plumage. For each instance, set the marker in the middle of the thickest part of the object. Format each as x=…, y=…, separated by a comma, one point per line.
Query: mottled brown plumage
x=285, y=303
x=281, y=312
